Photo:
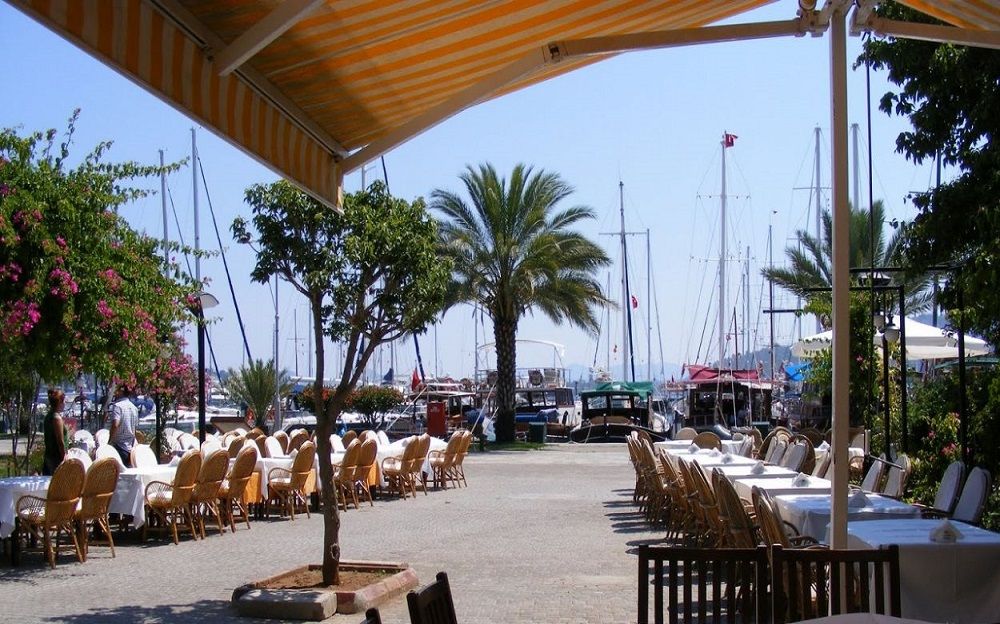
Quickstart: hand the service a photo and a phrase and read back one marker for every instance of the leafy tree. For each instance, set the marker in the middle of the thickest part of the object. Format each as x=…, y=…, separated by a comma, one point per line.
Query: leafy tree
x=374, y=401
x=951, y=96
x=371, y=275
x=256, y=385
x=80, y=290
x=513, y=252
x=810, y=259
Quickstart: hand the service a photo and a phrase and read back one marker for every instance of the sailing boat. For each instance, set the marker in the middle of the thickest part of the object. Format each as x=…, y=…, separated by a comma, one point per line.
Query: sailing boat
x=615, y=409
x=715, y=398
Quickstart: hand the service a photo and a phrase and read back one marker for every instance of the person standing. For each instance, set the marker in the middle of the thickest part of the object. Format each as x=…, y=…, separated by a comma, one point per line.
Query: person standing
x=55, y=432
x=124, y=419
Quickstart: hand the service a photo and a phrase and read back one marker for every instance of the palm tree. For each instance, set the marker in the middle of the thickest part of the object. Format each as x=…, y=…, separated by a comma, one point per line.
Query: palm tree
x=514, y=251
x=256, y=386
x=809, y=261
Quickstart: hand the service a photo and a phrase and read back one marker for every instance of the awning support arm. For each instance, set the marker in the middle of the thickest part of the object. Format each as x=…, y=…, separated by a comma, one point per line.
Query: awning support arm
x=930, y=32
x=258, y=36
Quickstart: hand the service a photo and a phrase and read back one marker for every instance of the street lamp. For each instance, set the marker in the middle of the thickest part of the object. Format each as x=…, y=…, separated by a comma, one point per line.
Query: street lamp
x=205, y=301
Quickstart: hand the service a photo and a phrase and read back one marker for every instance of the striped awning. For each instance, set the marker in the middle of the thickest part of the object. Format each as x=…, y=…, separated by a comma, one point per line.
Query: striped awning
x=314, y=88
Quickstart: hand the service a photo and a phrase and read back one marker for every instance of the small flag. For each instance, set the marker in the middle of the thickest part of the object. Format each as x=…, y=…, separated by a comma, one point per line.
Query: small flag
x=414, y=380
x=635, y=302
x=728, y=140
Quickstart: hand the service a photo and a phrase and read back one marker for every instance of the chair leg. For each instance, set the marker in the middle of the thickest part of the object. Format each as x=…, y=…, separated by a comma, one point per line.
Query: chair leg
x=81, y=529
x=104, y=524
x=76, y=543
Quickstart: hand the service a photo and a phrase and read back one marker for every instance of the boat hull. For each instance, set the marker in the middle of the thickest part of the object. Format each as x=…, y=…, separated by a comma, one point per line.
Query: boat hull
x=610, y=432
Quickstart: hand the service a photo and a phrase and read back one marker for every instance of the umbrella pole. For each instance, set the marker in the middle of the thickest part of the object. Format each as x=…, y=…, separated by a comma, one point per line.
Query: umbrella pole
x=903, y=387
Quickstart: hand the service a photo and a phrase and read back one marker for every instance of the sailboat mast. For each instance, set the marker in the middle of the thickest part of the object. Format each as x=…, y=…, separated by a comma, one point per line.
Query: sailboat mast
x=163, y=202
x=649, y=318
x=194, y=188
x=625, y=308
x=722, y=258
x=770, y=293
x=855, y=129
x=819, y=232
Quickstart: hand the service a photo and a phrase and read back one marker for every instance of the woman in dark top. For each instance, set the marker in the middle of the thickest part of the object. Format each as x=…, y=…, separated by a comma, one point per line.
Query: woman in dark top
x=55, y=432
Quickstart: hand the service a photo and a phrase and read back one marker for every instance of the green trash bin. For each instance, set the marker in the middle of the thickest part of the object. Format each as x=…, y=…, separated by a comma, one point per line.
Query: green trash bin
x=536, y=432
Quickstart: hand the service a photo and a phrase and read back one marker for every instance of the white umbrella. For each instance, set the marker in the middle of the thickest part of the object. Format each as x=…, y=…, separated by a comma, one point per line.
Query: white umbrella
x=923, y=342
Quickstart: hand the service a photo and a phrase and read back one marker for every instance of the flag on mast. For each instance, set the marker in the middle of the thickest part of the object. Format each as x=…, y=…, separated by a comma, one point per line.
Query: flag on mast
x=728, y=140
x=414, y=380
x=635, y=303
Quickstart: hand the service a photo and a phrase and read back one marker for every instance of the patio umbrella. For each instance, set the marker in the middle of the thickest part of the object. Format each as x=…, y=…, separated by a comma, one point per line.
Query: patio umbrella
x=923, y=342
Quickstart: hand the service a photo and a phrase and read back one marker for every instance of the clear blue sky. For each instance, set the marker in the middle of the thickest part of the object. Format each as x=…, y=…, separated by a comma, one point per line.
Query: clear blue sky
x=652, y=119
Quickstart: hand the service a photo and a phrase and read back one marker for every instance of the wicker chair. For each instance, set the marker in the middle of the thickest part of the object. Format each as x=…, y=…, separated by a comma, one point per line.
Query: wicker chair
x=171, y=502
x=459, y=467
x=205, y=498
x=55, y=512
x=343, y=475
x=289, y=486
x=363, y=469
x=299, y=436
x=740, y=531
x=416, y=465
x=432, y=604
x=707, y=440
x=98, y=488
x=443, y=462
x=233, y=489
x=349, y=436
x=282, y=439
x=235, y=446
x=394, y=469
x=773, y=529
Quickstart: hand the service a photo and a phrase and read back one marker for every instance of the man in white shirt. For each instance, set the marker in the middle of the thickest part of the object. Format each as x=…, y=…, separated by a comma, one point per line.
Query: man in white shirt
x=124, y=419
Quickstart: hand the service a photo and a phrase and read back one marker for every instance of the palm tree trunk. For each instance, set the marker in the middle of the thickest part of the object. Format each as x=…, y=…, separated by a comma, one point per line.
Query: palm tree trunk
x=505, y=336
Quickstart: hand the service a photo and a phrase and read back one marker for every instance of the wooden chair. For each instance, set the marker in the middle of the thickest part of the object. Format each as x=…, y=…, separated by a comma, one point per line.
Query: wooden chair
x=812, y=583
x=98, y=488
x=432, y=604
x=55, y=512
x=686, y=433
x=363, y=468
x=707, y=440
x=170, y=502
x=233, y=490
x=299, y=437
x=289, y=486
x=205, y=497
x=703, y=584
x=282, y=439
x=372, y=617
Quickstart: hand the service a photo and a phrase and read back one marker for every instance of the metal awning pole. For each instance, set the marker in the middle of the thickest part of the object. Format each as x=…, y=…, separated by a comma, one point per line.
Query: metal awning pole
x=841, y=274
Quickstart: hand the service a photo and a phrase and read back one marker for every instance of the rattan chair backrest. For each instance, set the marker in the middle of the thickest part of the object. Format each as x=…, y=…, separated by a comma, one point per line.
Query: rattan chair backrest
x=64, y=491
x=707, y=440
x=99, y=487
x=282, y=439
x=768, y=519
x=213, y=471
x=741, y=531
x=236, y=445
x=686, y=433
x=296, y=440
x=302, y=465
x=186, y=477
x=242, y=471
x=349, y=436
x=368, y=434
x=366, y=458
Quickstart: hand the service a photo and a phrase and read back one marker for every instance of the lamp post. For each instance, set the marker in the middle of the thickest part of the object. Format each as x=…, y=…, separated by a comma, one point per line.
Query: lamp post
x=204, y=302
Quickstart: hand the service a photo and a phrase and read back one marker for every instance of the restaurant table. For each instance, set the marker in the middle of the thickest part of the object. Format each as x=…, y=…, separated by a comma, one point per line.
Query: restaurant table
x=732, y=446
x=707, y=460
x=746, y=471
x=11, y=490
x=264, y=466
x=781, y=485
x=130, y=491
x=957, y=582
x=810, y=513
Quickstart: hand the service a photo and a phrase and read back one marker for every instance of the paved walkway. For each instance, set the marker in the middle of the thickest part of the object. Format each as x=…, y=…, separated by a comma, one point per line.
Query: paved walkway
x=538, y=536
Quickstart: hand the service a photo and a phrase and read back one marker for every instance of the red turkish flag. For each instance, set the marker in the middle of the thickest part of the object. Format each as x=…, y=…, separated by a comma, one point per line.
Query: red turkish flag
x=414, y=381
x=635, y=302
x=728, y=140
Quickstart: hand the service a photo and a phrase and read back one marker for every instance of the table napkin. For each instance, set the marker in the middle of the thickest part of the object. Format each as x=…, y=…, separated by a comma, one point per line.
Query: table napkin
x=715, y=453
x=857, y=499
x=758, y=468
x=945, y=533
x=801, y=481
x=727, y=458
x=694, y=448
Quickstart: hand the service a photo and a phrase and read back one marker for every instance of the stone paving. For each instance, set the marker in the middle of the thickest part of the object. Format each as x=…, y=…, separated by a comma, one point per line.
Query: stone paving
x=542, y=536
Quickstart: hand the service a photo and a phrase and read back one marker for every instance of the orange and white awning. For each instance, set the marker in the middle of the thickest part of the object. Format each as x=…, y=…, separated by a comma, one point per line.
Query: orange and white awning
x=314, y=88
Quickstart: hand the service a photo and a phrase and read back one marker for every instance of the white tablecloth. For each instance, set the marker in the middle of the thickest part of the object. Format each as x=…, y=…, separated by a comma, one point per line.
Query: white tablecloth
x=957, y=583
x=264, y=466
x=852, y=452
x=745, y=471
x=810, y=514
x=781, y=485
x=682, y=445
x=11, y=489
x=130, y=493
x=708, y=461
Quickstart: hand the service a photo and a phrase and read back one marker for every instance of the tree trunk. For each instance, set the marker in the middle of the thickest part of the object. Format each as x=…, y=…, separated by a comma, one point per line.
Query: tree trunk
x=505, y=336
x=324, y=427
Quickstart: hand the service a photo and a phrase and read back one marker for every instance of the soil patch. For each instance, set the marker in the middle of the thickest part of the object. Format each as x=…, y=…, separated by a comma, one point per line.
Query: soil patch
x=312, y=578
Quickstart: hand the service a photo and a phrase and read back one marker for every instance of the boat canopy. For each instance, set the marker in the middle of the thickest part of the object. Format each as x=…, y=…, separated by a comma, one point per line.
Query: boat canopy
x=636, y=387
x=707, y=373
